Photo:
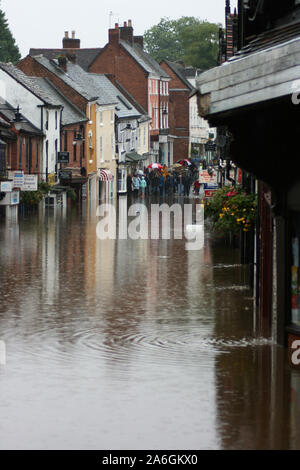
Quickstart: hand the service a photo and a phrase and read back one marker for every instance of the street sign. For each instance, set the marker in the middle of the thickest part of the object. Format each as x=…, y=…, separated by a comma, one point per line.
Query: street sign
x=30, y=183
x=63, y=157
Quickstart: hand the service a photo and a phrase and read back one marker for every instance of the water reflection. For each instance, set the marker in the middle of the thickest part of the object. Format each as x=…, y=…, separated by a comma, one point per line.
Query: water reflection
x=133, y=344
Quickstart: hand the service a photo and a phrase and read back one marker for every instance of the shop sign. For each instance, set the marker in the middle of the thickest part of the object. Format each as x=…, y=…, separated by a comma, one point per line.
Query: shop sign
x=63, y=157
x=18, y=179
x=15, y=198
x=208, y=193
x=5, y=186
x=205, y=177
x=30, y=183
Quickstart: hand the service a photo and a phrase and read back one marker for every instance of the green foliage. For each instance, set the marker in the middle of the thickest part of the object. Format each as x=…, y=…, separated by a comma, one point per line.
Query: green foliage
x=44, y=187
x=189, y=39
x=72, y=194
x=31, y=198
x=9, y=51
x=232, y=210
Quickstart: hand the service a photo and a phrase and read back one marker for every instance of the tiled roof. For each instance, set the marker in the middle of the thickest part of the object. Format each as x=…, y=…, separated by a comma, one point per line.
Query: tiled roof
x=143, y=114
x=179, y=70
x=84, y=57
x=70, y=114
x=124, y=108
x=28, y=82
x=91, y=84
x=8, y=112
x=269, y=39
x=144, y=59
x=52, y=66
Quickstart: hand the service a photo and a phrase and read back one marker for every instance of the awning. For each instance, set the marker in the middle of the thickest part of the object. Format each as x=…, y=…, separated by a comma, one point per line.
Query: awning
x=105, y=175
x=133, y=157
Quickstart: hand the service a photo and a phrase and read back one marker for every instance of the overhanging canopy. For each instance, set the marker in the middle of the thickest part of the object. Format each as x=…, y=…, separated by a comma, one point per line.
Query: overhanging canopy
x=105, y=175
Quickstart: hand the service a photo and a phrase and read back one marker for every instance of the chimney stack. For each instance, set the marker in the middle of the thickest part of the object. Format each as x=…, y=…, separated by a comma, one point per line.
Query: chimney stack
x=70, y=43
x=126, y=32
x=62, y=62
x=114, y=35
x=139, y=40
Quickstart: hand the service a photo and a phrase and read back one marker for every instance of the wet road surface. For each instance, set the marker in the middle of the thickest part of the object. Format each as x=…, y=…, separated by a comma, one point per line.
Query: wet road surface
x=133, y=345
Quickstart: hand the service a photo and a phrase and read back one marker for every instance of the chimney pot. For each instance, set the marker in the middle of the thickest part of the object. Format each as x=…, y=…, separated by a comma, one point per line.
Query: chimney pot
x=73, y=34
x=66, y=34
x=125, y=24
x=130, y=23
x=116, y=25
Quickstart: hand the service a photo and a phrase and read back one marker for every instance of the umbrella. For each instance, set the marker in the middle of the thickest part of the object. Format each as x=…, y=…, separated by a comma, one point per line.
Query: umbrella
x=185, y=162
x=158, y=166
x=140, y=172
x=176, y=165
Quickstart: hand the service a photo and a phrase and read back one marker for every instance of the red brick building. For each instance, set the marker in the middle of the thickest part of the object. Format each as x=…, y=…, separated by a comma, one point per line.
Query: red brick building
x=124, y=58
x=179, y=110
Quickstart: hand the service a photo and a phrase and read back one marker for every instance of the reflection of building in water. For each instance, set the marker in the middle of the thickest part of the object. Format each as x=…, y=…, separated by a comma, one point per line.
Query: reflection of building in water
x=253, y=399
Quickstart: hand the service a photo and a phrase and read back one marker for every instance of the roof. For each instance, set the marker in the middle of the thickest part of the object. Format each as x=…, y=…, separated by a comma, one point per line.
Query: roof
x=251, y=78
x=270, y=38
x=179, y=70
x=53, y=67
x=71, y=114
x=131, y=99
x=92, y=84
x=124, y=108
x=144, y=59
x=29, y=83
x=8, y=111
x=84, y=57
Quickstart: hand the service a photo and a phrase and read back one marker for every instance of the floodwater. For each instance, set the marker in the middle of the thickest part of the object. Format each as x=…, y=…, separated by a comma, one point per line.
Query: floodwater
x=133, y=344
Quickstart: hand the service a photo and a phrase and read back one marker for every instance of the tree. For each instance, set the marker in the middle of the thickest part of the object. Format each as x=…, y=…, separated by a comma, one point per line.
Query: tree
x=9, y=51
x=189, y=39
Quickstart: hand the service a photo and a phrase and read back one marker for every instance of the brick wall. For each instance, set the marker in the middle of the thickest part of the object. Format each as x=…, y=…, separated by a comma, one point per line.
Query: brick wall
x=116, y=61
x=179, y=113
x=77, y=153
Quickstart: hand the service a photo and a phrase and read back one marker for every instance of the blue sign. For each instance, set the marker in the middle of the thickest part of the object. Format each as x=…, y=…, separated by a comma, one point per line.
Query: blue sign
x=211, y=186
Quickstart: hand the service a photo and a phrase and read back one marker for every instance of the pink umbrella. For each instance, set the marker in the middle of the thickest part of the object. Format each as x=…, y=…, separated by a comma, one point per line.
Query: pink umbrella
x=157, y=166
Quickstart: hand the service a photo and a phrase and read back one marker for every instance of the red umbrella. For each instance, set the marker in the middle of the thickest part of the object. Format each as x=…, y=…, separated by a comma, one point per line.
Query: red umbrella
x=185, y=162
x=158, y=166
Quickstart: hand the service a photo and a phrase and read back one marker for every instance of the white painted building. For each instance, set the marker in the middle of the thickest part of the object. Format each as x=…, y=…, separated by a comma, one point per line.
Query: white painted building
x=38, y=108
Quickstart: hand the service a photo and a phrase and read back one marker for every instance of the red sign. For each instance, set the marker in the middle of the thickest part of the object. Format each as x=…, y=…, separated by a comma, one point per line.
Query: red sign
x=209, y=192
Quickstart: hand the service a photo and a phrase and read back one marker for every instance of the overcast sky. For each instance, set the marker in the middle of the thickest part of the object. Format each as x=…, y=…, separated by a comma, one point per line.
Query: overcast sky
x=40, y=24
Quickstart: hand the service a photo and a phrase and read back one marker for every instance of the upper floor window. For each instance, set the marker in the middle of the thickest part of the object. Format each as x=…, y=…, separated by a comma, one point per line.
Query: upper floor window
x=47, y=120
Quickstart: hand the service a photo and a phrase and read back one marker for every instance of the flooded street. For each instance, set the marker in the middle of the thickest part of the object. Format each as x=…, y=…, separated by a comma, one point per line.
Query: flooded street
x=133, y=345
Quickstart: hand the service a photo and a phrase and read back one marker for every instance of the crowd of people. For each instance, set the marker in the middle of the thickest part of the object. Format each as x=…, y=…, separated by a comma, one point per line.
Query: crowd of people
x=163, y=182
